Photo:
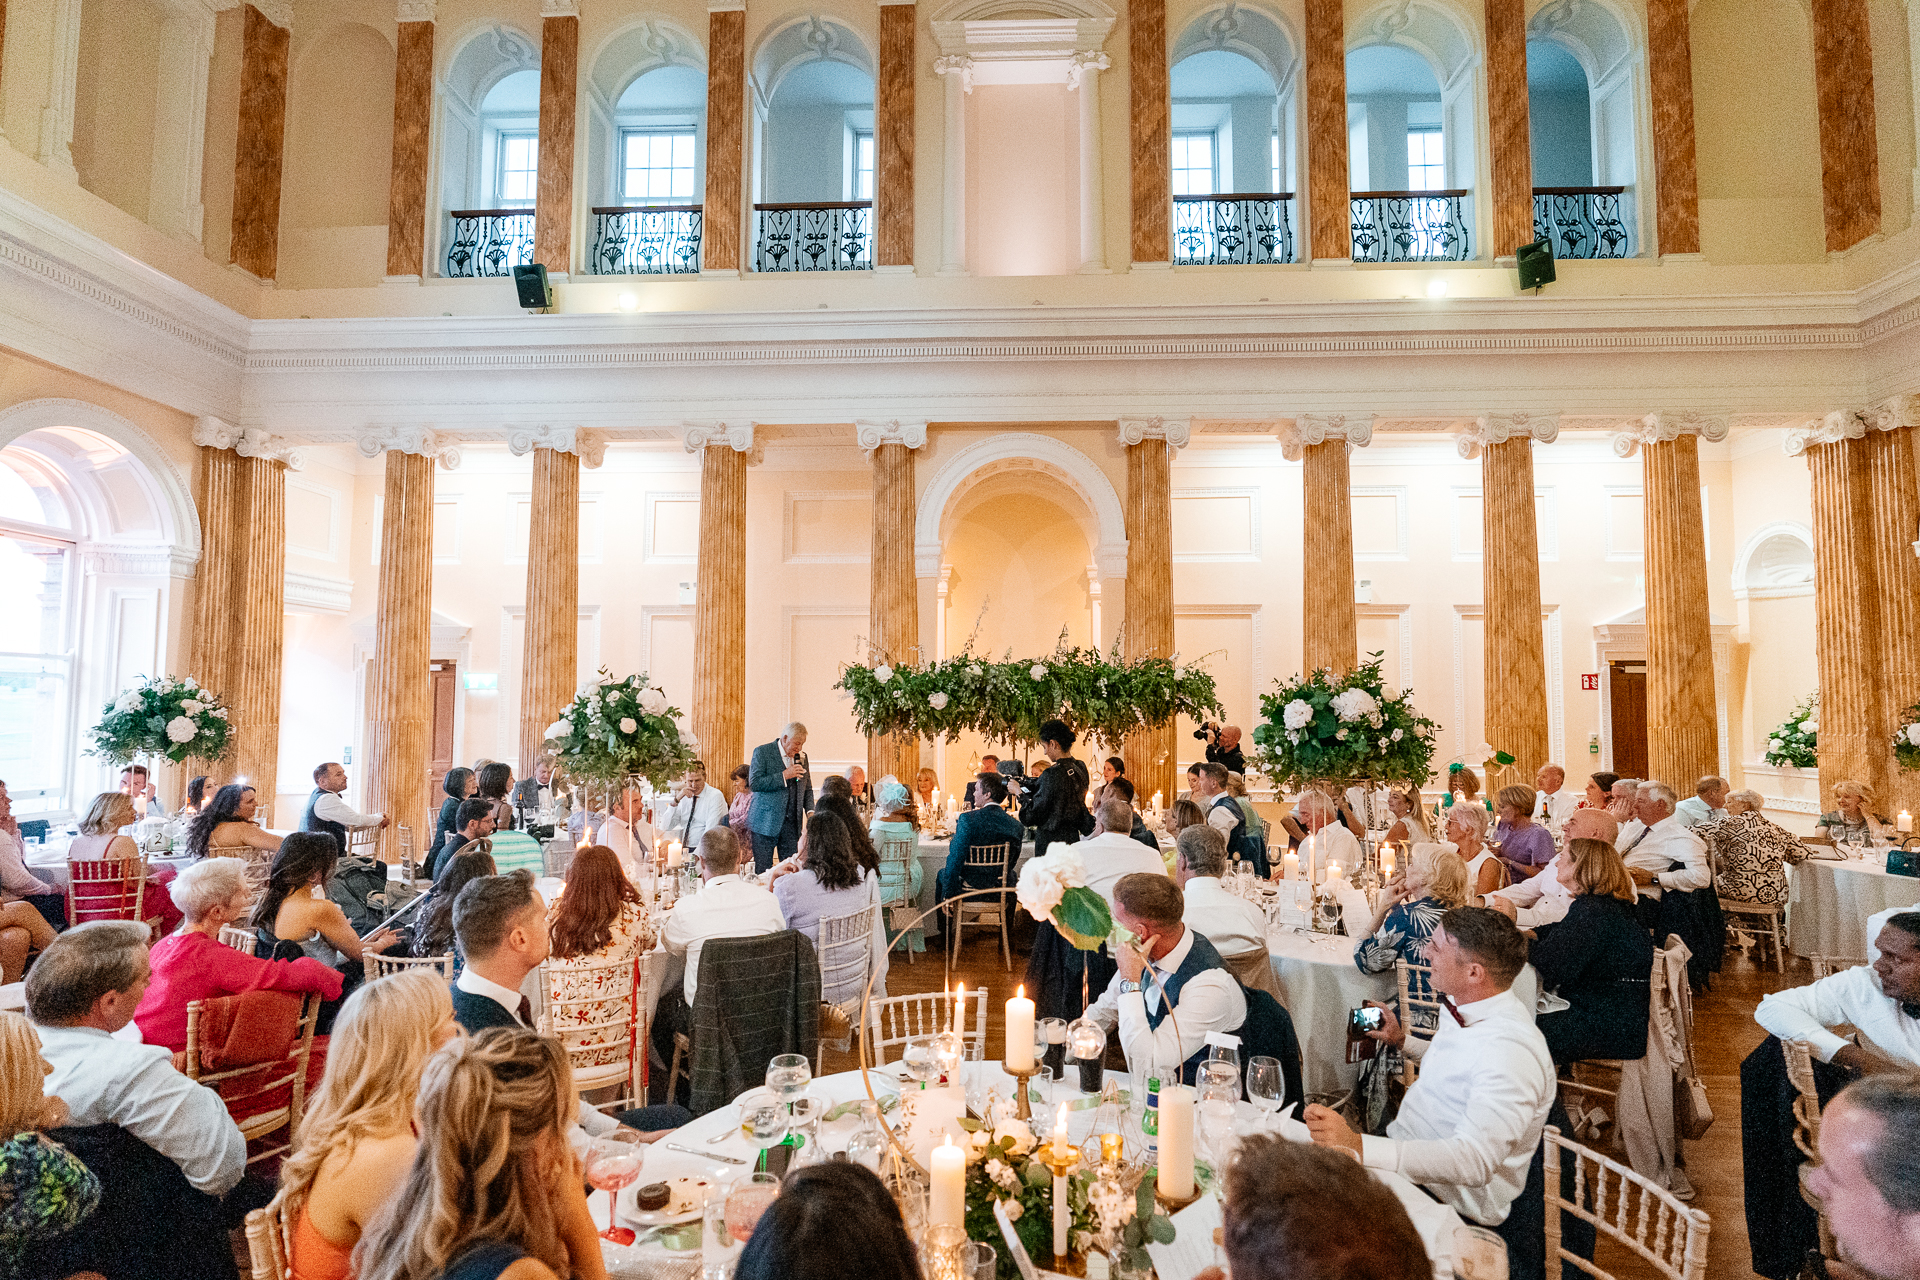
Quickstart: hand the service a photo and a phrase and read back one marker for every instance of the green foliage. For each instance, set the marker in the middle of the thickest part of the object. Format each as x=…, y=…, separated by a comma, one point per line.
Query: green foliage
x=615, y=731
x=1795, y=744
x=1083, y=916
x=1906, y=739
x=165, y=717
x=1319, y=728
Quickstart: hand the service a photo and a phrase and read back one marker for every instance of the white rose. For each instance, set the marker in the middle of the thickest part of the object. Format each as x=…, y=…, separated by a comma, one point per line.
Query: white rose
x=883, y=673
x=191, y=683
x=1044, y=881
x=131, y=700
x=653, y=702
x=1020, y=1132
x=1299, y=714
x=628, y=724
x=1341, y=735
x=1038, y=671
x=1913, y=734
x=181, y=729
x=1383, y=744
x=1013, y=1209
x=1390, y=693
x=559, y=728
x=192, y=707
x=938, y=701
x=1773, y=744
x=1399, y=734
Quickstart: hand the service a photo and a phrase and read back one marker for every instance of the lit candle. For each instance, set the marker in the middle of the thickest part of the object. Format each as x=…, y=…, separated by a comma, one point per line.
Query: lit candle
x=1062, y=1210
x=1334, y=872
x=959, y=994
x=1156, y=802
x=675, y=855
x=1176, y=1142
x=947, y=1189
x=1904, y=823
x=1313, y=857
x=1386, y=861
x=1019, y=1054
x=1290, y=866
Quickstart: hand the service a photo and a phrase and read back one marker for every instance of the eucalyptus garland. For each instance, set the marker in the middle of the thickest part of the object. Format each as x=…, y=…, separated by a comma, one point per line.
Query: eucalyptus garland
x=1324, y=727
x=165, y=717
x=615, y=731
x=1102, y=696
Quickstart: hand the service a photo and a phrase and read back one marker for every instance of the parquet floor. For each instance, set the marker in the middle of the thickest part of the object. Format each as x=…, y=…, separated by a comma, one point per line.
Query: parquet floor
x=1724, y=1033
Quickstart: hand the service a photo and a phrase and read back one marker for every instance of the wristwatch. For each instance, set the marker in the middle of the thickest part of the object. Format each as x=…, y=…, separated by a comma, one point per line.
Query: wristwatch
x=1126, y=987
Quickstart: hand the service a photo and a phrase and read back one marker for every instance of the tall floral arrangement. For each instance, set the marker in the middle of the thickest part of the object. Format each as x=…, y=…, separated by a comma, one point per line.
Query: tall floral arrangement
x=1906, y=739
x=1795, y=744
x=1055, y=888
x=1324, y=727
x=615, y=731
x=165, y=717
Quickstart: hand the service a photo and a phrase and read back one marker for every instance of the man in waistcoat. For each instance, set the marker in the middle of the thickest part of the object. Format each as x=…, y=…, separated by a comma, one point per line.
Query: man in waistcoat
x=1207, y=783
x=328, y=813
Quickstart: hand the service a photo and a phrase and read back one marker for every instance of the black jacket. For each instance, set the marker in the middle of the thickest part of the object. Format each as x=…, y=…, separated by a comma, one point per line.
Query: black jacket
x=1057, y=808
x=476, y=1013
x=1232, y=757
x=1600, y=961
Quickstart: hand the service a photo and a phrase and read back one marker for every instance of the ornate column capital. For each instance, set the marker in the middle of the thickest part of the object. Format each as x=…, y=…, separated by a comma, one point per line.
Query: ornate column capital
x=425, y=441
x=559, y=8
x=591, y=446
x=874, y=432
x=1084, y=63
x=1175, y=431
x=415, y=10
x=1318, y=428
x=1498, y=428
x=1841, y=424
x=737, y=436
x=956, y=64
x=1893, y=413
x=1660, y=427
x=250, y=442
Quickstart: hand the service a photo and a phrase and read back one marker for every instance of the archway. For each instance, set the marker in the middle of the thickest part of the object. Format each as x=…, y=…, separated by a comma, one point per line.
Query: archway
x=487, y=113
x=1233, y=117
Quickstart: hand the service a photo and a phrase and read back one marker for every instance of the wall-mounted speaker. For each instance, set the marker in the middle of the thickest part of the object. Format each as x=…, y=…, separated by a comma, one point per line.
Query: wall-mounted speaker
x=530, y=282
x=1536, y=264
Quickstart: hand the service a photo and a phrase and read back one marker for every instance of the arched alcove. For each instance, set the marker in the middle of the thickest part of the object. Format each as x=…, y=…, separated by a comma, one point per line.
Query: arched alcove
x=647, y=117
x=486, y=111
x=1233, y=80
x=1586, y=86
x=1021, y=451
x=1773, y=579
x=813, y=98
x=339, y=148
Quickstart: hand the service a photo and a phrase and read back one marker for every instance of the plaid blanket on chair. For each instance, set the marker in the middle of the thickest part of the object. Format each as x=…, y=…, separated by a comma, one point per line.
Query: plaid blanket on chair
x=757, y=998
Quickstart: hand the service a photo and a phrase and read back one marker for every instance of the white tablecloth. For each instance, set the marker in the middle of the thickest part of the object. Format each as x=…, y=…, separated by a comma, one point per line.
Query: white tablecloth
x=1829, y=903
x=933, y=860
x=1322, y=984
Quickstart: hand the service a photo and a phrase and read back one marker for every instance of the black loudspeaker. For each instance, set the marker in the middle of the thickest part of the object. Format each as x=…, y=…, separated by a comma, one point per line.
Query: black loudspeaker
x=530, y=282
x=1536, y=264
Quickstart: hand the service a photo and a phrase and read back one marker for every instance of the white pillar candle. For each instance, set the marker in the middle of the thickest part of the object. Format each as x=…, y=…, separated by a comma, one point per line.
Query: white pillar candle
x=675, y=855
x=947, y=1186
x=1386, y=861
x=1156, y=802
x=1176, y=1142
x=1290, y=866
x=1904, y=824
x=1334, y=872
x=1019, y=1054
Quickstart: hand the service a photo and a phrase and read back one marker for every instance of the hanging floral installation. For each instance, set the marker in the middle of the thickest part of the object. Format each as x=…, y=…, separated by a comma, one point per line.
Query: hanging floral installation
x=1324, y=727
x=617, y=731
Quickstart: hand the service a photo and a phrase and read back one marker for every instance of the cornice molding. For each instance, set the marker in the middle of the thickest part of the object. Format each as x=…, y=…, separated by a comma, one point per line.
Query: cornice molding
x=871, y=433
x=1177, y=432
x=1498, y=428
x=141, y=561
x=1309, y=429
x=424, y=441
x=591, y=446
x=738, y=436
x=249, y=442
x=316, y=593
x=1660, y=427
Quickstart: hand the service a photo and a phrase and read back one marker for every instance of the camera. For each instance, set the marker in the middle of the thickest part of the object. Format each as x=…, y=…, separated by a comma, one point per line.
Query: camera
x=1363, y=1020
x=1208, y=732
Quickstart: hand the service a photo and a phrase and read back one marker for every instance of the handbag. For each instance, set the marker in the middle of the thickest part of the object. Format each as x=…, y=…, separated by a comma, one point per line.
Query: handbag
x=1900, y=862
x=1692, y=1112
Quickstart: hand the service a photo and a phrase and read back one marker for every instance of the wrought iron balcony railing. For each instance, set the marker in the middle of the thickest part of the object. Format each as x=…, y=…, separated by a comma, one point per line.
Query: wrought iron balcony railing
x=1583, y=222
x=1247, y=228
x=832, y=236
x=489, y=242
x=1411, y=226
x=647, y=240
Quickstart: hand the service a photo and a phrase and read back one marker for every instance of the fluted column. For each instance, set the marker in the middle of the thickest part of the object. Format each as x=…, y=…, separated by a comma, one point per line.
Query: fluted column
x=559, y=77
x=258, y=150
x=1508, y=135
x=1516, y=662
x=1682, y=706
x=1894, y=521
x=1849, y=151
x=399, y=702
x=893, y=137
x=412, y=128
x=1330, y=209
x=550, y=649
x=726, y=133
x=1150, y=444
x=1083, y=79
x=1152, y=131
x=1676, y=183
x=213, y=616
x=1320, y=443
x=893, y=627
x=720, y=593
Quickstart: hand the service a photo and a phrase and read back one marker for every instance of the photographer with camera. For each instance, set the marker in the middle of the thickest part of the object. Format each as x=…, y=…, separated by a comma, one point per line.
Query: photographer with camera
x=1223, y=746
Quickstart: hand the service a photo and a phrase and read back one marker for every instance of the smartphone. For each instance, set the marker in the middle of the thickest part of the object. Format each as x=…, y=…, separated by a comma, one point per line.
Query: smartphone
x=1363, y=1020
x=776, y=1159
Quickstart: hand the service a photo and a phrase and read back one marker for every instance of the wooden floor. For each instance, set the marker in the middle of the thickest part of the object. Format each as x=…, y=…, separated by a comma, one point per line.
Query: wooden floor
x=1724, y=1033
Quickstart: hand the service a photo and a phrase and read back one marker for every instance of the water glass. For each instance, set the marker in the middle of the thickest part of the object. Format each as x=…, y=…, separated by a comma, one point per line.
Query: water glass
x=805, y=1113
x=917, y=1057
x=763, y=1117
x=748, y=1199
x=1225, y=1054
x=718, y=1250
x=789, y=1074
x=981, y=1261
x=1266, y=1087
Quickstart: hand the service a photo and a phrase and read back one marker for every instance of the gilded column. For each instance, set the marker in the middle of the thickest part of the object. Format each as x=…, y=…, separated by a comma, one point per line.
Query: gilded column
x=1508, y=136
x=893, y=627
x=1682, y=706
x=1329, y=205
x=550, y=648
x=1152, y=135
x=1516, y=662
x=559, y=76
x=1676, y=182
x=1151, y=756
x=258, y=150
x=219, y=530
x=412, y=126
x=1849, y=152
x=399, y=703
x=1320, y=442
x=1893, y=514
x=720, y=592
x=893, y=137
x=726, y=135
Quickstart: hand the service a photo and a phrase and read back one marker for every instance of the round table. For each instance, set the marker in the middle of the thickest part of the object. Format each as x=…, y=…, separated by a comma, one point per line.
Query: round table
x=933, y=853
x=1322, y=984
x=1828, y=903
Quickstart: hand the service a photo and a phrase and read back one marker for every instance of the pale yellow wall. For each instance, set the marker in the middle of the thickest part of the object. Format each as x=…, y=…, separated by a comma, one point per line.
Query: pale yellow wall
x=339, y=158
x=114, y=99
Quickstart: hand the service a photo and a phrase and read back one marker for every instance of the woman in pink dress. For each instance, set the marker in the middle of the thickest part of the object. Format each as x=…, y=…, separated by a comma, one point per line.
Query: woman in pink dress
x=100, y=838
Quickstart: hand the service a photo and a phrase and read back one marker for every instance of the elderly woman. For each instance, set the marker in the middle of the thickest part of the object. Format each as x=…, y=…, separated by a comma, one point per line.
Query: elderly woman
x=1467, y=832
x=194, y=964
x=1750, y=853
x=1853, y=821
x=1525, y=846
x=893, y=819
x=1434, y=882
x=742, y=801
x=925, y=783
x=1623, y=800
x=1597, y=958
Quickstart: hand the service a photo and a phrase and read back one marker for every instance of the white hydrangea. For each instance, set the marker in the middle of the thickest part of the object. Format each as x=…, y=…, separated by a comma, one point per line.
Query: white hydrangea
x=973, y=669
x=1044, y=881
x=131, y=700
x=628, y=724
x=1809, y=725
x=1354, y=704
x=653, y=702
x=1773, y=744
x=1299, y=714
x=1022, y=1135
x=1913, y=734
x=192, y=706
x=181, y=729
x=883, y=673
x=220, y=713
x=938, y=701
x=1038, y=671
x=559, y=728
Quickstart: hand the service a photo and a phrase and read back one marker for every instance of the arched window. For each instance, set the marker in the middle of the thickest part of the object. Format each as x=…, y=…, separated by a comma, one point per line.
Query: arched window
x=1234, y=139
x=646, y=152
x=814, y=165
x=1583, y=97
x=489, y=120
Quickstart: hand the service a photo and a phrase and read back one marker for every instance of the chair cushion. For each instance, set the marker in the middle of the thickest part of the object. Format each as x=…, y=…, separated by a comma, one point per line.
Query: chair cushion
x=252, y=1027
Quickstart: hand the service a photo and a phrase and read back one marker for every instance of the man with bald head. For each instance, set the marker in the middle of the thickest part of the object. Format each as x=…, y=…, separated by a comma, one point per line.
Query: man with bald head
x=1543, y=899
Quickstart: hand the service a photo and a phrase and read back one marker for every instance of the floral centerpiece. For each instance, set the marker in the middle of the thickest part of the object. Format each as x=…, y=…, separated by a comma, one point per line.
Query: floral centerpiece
x=165, y=717
x=1327, y=727
x=1906, y=739
x=616, y=731
x=1795, y=743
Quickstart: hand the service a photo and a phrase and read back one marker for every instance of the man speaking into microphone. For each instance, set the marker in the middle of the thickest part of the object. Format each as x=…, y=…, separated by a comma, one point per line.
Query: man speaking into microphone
x=782, y=790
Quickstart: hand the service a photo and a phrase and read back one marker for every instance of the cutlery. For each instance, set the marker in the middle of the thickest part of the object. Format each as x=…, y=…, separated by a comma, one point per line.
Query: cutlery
x=704, y=1155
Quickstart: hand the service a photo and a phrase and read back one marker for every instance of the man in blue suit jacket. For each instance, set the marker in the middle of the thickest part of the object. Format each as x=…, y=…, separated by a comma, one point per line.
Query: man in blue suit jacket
x=984, y=824
x=782, y=789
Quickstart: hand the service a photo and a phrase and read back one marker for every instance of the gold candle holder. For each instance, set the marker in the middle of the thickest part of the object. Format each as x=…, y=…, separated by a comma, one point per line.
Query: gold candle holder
x=1022, y=1105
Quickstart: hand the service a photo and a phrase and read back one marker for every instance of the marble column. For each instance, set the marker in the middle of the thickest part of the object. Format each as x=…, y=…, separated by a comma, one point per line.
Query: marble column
x=1893, y=515
x=958, y=72
x=893, y=137
x=1516, y=662
x=726, y=135
x=213, y=618
x=1152, y=131
x=1682, y=705
x=1330, y=209
x=258, y=149
x=179, y=119
x=550, y=639
x=718, y=713
x=412, y=142
x=559, y=76
x=893, y=627
x=399, y=704
x=1676, y=183
x=1151, y=756
x=1083, y=78
x=52, y=78
x=1508, y=135
x=1849, y=151
x=1320, y=442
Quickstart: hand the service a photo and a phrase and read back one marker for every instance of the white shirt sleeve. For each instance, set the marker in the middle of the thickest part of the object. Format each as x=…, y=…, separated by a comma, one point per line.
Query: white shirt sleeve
x=1500, y=1110
x=1805, y=1013
x=1106, y=1010
x=185, y=1122
x=595, y=1122
x=1209, y=1002
x=1220, y=820
x=332, y=808
x=1694, y=873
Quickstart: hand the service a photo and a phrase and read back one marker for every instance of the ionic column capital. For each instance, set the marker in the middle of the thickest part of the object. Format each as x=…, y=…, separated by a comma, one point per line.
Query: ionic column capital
x=1498, y=428
x=1660, y=427
x=415, y=10
x=1892, y=414
x=591, y=446
x=956, y=64
x=1317, y=428
x=1085, y=63
x=559, y=8
x=737, y=436
x=874, y=432
x=1841, y=424
x=250, y=442
x=1175, y=431
x=424, y=441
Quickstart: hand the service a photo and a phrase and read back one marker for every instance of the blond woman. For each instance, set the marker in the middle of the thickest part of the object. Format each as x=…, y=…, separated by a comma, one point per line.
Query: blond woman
x=1853, y=821
x=100, y=838
x=45, y=1191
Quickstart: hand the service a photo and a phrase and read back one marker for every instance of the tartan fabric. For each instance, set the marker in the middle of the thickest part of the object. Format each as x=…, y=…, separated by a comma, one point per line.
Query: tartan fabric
x=757, y=998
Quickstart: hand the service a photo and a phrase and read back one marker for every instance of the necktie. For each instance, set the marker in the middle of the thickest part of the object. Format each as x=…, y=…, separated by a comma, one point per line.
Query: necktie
x=1446, y=1002
x=525, y=1012
x=1636, y=841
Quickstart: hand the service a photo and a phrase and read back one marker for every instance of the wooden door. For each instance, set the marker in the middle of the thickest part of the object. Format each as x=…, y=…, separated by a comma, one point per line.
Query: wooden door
x=1628, y=683
x=442, y=683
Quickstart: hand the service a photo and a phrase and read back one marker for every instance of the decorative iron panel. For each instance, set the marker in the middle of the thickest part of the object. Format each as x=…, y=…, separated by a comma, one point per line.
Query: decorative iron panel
x=1583, y=222
x=1251, y=229
x=813, y=237
x=1411, y=226
x=489, y=242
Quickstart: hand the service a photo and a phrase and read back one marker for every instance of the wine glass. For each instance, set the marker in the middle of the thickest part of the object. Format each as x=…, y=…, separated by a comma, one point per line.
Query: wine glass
x=917, y=1059
x=1266, y=1087
x=1224, y=1055
x=764, y=1118
x=1219, y=1091
x=789, y=1075
x=747, y=1199
x=613, y=1161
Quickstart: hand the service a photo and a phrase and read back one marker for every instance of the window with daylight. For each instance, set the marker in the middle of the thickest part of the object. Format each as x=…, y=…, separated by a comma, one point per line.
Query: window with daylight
x=1193, y=165
x=862, y=165
x=36, y=645
x=1426, y=160
x=657, y=166
x=519, y=175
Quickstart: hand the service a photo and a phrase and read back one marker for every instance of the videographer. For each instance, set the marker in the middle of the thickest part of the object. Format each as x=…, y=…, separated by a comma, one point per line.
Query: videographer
x=1223, y=746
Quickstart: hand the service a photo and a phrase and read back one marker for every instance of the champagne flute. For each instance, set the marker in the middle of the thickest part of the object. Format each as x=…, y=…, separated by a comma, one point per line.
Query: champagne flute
x=613, y=1161
x=1266, y=1087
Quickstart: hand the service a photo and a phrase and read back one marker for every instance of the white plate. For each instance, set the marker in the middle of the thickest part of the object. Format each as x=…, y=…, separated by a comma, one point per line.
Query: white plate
x=688, y=1202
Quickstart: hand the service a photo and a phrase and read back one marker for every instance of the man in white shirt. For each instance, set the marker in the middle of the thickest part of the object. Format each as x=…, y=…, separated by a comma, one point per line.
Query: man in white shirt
x=1543, y=899
x=1867, y=1178
x=699, y=809
x=1470, y=1125
x=1233, y=925
x=1553, y=803
x=1662, y=841
x=1881, y=1000
x=1330, y=840
x=327, y=812
x=617, y=833
x=1707, y=804
x=1111, y=852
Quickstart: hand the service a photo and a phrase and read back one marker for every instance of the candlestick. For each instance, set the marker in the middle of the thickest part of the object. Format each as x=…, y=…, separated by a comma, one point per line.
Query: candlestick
x=1019, y=1054
x=947, y=1185
x=1175, y=1180
x=1060, y=1159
